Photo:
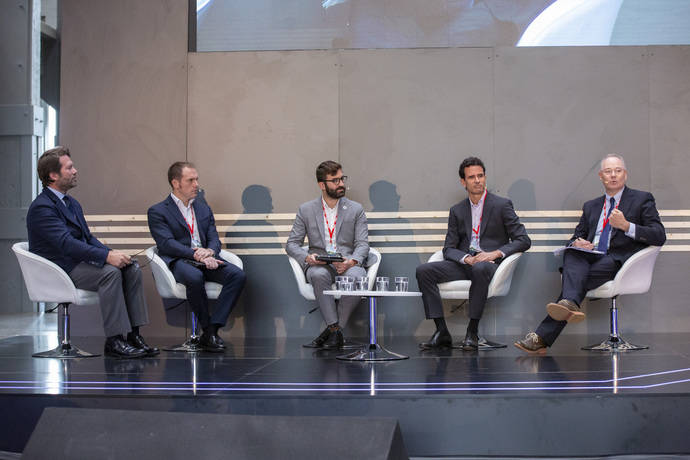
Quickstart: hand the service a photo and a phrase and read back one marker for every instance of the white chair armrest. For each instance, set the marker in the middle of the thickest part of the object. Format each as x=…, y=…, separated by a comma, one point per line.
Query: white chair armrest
x=305, y=289
x=436, y=257
x=165, y=282
x=373, y=269
x=231, y=258
x=500, y=283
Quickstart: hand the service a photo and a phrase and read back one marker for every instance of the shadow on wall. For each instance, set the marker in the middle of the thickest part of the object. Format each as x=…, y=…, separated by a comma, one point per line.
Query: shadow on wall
x=401, y=316
x=270, y=288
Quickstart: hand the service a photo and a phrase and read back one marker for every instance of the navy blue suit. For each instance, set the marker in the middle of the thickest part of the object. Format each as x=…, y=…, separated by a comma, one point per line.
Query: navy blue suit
x=61, y=235
x=583, y=272
x=172, y=236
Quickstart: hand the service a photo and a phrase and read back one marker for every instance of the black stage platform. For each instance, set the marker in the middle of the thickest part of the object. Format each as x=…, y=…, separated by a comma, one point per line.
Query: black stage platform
x=492, y=403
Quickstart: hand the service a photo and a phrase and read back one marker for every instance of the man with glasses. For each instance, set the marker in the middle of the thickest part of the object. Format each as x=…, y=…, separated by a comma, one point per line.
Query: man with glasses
x=333, y=224
x=612, y=228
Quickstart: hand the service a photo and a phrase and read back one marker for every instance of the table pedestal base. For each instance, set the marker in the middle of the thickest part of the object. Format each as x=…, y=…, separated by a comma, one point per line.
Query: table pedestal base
x=374, y=352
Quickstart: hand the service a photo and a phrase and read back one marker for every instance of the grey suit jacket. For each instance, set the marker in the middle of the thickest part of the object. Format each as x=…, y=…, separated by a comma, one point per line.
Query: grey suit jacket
x=352, y=232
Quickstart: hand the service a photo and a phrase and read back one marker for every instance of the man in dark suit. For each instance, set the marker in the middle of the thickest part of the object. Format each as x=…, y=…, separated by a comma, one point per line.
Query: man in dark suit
x=58, y=231
x=187, y=240
x=616, y=226
x=482, y=230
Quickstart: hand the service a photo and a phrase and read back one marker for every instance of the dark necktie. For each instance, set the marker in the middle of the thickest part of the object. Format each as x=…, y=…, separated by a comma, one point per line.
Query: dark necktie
x=604, y=237
x=68, y=203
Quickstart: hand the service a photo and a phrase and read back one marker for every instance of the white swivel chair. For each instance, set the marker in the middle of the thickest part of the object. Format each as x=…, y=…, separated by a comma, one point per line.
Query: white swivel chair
x=307, y=290
x=634, y=277
x=169, y=288
x=499, y=286
x=47, y=282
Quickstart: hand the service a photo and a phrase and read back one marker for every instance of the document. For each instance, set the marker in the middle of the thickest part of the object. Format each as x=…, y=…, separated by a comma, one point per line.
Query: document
x=560, y=251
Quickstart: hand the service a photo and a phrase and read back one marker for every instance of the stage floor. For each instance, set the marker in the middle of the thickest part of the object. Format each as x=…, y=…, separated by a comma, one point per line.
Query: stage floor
x=279, y=367
x=447, y=403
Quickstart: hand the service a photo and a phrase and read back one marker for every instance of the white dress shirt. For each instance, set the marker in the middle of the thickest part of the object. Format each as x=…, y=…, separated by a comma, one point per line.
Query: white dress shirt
x=190, y=218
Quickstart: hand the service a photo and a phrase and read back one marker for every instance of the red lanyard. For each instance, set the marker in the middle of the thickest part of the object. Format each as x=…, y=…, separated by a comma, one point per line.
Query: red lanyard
x=331, y=231
x=606, y=217
x=476, y=230
x=190, y=227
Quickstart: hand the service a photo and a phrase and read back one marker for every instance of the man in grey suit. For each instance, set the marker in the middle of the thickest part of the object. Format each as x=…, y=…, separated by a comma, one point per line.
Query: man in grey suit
x=482, y=230
x=332, y=223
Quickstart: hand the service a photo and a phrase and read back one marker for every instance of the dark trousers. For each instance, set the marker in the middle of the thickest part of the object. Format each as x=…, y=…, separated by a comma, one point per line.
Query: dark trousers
x=120, y=295
x=231, y=277
x=581, y=272
x=432, y=273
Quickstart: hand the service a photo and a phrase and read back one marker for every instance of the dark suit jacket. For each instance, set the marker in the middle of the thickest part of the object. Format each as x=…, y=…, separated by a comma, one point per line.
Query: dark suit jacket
x=61, y=236
x=171, y=233
x=500, y=229
x=639, y=208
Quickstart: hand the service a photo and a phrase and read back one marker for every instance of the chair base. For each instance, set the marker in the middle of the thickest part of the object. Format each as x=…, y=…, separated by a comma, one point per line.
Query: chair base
x=484, y=344
x=192, y=345
x=615, y=344
x=65, y=351
x=352, y=345
x=372, y=353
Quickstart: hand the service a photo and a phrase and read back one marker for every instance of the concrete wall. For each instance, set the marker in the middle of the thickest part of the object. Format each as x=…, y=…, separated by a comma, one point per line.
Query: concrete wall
x=541, y=118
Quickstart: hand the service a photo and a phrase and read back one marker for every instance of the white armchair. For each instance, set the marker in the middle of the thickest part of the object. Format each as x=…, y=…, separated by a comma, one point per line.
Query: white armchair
x=306, y=289
x=634, y=277
x=47, y=282
x=169, y=288
x=499, y=286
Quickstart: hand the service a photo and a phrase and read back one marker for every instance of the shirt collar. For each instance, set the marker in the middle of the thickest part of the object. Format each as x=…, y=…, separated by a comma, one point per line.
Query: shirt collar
x=328, y=208
x=179, y=202
x=616, y=197
x=57, y=193
x=481, y=201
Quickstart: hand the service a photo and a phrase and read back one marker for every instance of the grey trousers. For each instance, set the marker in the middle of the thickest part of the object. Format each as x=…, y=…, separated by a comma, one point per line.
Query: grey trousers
x=120, y=295
x=321, y=277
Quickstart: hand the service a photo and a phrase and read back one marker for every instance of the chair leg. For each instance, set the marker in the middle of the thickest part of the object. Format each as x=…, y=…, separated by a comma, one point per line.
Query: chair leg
x=65, y=349
x=191, y=345
x=614, y=342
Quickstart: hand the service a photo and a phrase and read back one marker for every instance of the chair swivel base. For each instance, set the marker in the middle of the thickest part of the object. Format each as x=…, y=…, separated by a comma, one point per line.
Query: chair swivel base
x=484, y=344
x=65, y=351
x=192, y=345
x=349, y=344
x=615, y=344
x=374, y=352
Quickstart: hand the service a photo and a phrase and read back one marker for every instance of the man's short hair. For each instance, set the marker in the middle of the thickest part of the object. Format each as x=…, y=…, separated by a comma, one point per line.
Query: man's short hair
x=611, y=155
x=175, y=170
x=470, y=161
x=326, y=168
x=50, y=163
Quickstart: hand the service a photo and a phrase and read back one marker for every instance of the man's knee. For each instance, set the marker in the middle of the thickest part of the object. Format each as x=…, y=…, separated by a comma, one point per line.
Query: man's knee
x=423, y=271
x=319, y=276
x=235, y=276
x=483, y=269
x=111, y=274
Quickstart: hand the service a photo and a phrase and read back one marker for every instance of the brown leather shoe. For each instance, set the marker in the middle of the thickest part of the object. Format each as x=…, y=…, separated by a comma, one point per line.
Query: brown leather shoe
x=565, y=310
x=532, y=344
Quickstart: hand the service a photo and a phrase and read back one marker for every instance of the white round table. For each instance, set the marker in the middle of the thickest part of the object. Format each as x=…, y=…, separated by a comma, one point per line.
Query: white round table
x=372, y=351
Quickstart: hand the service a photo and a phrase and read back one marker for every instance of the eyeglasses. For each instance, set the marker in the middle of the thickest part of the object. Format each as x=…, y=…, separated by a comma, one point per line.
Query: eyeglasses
x=336, y=180
x=609, y=171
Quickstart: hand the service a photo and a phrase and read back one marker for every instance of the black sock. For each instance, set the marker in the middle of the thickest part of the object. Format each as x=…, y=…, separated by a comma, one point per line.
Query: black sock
x=114, y=337
x=440, y=324
x=135, y=330
x=213, y=329
x=473, y=327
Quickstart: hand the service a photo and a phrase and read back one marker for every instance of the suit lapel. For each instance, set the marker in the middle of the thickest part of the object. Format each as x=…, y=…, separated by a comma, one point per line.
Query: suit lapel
x=175, y=213
x=486, y=213
x=318, y=215
x=467, y=218
x=343, y=209
x=68, y=215
x=200, y=214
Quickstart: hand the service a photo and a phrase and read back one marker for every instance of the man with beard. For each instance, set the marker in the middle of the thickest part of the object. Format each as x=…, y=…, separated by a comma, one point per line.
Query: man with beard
x=58, y=232
x=332, y=223
x=482, y=230
x=615, y=225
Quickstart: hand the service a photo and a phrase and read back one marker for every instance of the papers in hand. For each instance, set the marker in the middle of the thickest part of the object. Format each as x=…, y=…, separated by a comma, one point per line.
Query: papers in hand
x=559, y=251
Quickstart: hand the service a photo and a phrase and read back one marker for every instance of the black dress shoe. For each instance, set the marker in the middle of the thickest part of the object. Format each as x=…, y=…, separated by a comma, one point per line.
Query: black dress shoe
x=334, y=341
x=137, y=341
x=118, y=348
x=471, y=342
x=318, y=342
x=440, y=339
x=210, y=343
